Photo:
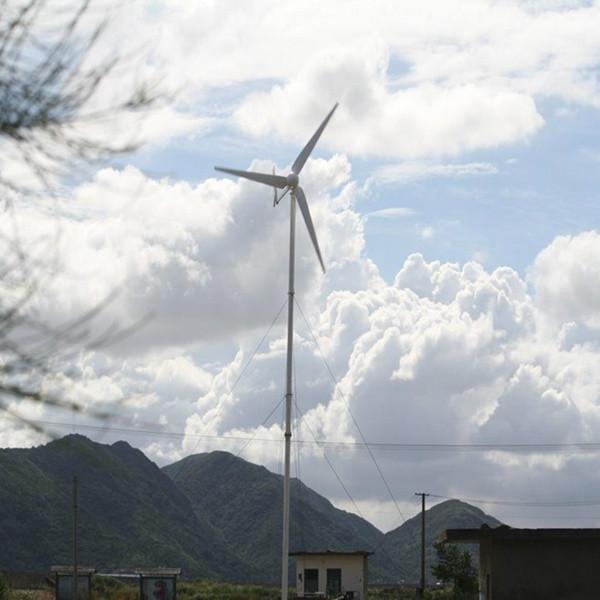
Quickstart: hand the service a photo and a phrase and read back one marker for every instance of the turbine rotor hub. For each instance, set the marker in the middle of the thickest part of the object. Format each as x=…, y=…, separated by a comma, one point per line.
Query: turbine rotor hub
x=292, y=180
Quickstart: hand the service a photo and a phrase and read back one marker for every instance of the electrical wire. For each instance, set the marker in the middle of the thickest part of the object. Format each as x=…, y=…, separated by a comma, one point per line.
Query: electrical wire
x=300, y=487
x=553, y=448
x=330, y=463
x=347, y=406
x=235, y=383
x=264, y=422
x=536, y=504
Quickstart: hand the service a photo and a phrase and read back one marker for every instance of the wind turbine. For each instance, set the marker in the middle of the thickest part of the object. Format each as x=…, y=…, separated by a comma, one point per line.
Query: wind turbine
x=289, y=184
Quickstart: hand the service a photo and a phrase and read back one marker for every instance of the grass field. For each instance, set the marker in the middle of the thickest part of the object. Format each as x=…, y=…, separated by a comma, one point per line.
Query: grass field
x=106, y=588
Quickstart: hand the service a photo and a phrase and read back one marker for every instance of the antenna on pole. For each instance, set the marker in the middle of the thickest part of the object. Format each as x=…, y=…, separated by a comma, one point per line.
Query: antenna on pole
x=291, y=185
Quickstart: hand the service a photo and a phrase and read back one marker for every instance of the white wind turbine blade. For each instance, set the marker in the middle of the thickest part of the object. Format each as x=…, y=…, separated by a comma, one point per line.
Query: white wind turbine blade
x=303, y=204
x=303, y=156
x=273, y=180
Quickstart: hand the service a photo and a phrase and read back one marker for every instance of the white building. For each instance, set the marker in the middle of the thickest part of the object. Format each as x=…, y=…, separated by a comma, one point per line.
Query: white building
x=331, y=574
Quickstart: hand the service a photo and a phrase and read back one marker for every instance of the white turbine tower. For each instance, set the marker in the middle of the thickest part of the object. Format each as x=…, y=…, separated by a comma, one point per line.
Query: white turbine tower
x=290, y=184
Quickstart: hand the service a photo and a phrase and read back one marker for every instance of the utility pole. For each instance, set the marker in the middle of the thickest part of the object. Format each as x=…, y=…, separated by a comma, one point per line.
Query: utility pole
x=422, y=586
x=75, y=574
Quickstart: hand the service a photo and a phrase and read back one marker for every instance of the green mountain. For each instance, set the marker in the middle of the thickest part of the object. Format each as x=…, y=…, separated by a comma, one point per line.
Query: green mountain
x=403, y=544
x=130, y=513
x=214, y=515
x=243, y=501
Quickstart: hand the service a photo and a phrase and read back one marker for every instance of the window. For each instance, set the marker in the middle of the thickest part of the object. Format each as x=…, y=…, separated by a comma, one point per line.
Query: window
x=311, y=581
x=334, y=581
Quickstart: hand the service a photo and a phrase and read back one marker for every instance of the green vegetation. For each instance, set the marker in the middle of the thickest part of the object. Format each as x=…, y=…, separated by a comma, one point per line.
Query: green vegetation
x=207, y=590
x=130, y=514
x=108, y=588
x=403, y=545
x=406, y=593
x=213, y=515
x=456, y=568
x=105, y=588
x=243, y=501
x=4, y=592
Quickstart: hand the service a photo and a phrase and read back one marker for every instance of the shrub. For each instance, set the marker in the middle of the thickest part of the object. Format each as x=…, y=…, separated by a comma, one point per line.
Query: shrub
x=4, y=589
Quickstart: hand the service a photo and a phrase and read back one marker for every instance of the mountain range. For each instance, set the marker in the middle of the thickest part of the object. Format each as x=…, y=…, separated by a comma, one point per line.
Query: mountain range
x=212, y=514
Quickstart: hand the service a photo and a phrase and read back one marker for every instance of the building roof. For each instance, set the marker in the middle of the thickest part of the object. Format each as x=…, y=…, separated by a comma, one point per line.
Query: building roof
x=474, y=536
x=158, y=572
x=68, y=570
x=332, y=553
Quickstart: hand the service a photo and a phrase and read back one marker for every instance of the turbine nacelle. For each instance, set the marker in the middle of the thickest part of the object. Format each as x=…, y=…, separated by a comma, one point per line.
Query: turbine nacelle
x=290, y=182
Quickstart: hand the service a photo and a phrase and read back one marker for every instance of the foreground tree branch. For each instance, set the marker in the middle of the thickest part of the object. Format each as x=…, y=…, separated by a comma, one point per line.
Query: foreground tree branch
x=49, y=80
x=50, y=114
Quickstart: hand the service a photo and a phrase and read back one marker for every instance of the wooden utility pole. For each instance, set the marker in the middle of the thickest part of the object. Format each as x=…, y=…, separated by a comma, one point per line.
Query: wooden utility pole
x=75, y=575
x=422, y=586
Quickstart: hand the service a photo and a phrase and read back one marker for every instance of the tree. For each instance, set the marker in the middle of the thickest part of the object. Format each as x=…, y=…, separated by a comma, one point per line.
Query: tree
x=456, y=567
x=49, y=80
x=4, y=589
x=51, y=110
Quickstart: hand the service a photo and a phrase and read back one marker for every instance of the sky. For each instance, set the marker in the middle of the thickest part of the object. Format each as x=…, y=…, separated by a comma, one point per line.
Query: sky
x=454, y=194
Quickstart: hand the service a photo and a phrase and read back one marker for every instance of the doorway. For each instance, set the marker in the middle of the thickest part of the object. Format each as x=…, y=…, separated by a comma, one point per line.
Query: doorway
x=334, y=581
x=311, y=581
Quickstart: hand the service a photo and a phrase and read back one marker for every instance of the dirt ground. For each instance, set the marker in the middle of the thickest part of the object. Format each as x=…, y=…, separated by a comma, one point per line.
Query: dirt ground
x=46, y=594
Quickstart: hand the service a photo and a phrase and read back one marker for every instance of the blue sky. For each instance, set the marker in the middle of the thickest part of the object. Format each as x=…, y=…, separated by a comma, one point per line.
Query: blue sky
x=532, y=191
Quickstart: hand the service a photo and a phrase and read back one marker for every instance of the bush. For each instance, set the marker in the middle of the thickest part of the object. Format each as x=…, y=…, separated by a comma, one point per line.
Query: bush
x=4, y=589
x=456, y=568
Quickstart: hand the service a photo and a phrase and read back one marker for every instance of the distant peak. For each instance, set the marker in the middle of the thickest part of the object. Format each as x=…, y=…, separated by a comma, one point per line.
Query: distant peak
x=122, y=444
x=71, y=438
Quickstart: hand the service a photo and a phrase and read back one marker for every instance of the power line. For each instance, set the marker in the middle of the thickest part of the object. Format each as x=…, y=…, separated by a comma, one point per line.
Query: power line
x=364, y=443
x=300, y=486
x=264, y=337
x=554, y=448
x=330, y=464
x=347, y=406
x=237, y=380
x=536, y=504
x=550, y=517
x=250, y=439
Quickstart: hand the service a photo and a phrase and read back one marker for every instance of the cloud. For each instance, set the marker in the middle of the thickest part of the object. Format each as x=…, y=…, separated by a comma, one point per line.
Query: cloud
x=393, y=212
x=427, y=232
x=529, y=400
x=446, y=352
x=153, y=127
x=534, y=46
x=415, y=171
x=565, y=275
x=373, y=120
x=201, y=261
x=467, y=79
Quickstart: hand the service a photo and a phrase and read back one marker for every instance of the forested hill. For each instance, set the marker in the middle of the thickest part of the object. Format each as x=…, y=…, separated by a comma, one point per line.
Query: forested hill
x=403, y=544
x=244, y=502
x=214, y=515
x=131, y=513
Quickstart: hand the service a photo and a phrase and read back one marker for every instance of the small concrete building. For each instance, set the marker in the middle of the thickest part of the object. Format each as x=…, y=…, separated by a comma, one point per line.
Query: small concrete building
x=535, y=564
x=63, y=576
x=331, y=574
x=158, y=584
